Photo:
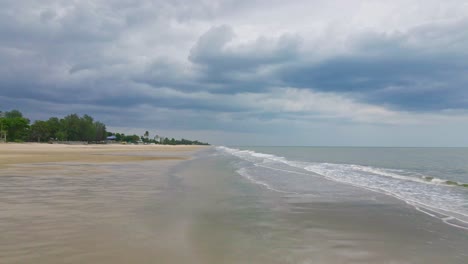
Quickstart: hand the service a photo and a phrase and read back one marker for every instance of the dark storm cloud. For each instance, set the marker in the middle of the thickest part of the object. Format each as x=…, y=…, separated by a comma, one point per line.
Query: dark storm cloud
x=408, y=82
x=117, y=58
x=392, y=70
x=240, y=67
x=427, y=75
x=212, y=50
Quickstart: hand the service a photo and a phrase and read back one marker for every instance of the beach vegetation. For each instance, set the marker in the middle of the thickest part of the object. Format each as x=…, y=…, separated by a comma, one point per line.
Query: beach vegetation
x=13, y=114
x=54, y=126
x=40, y=131
x=15, y=125
x=72, y=127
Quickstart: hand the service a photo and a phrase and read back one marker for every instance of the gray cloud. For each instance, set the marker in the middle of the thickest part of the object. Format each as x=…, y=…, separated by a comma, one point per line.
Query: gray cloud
x=234, y=67
x=240, y=66
x=422, y=69
x=212, y=50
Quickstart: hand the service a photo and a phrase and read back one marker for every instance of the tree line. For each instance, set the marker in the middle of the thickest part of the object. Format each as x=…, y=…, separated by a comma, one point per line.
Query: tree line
x=71, y=128
x=120, y=137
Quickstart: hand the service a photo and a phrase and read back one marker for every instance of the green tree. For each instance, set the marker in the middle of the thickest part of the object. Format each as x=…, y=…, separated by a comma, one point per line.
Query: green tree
x=119, y=137
x=100, y=132
x=71, y=127
x=2, y=127
x=54, y=127
x=87, y=131
x=76, y=128
x=13, y=114
x=134, y=138
x=16, y=126
x=40, y=130
x=61, y=135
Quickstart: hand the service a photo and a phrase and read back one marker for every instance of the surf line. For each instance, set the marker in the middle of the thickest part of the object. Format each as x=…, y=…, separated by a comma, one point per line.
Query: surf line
x=296, y=172
x=415, y=204
x=243, y=173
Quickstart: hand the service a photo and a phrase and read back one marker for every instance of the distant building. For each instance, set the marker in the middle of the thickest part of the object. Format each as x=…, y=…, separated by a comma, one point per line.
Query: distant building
x=111, y=139
x=158, y=139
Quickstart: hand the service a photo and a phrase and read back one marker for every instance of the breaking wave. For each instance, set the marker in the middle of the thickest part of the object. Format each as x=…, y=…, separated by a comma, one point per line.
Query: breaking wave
x=444, y=199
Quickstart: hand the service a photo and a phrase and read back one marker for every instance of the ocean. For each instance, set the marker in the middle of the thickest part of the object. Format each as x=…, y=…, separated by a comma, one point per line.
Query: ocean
x=432, y=180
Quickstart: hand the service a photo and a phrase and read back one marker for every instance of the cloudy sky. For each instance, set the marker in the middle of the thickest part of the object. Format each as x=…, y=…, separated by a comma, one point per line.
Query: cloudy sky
x=253, y=72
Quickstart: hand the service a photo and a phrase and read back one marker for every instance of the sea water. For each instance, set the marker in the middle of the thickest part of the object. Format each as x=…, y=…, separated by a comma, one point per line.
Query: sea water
x=432, y=180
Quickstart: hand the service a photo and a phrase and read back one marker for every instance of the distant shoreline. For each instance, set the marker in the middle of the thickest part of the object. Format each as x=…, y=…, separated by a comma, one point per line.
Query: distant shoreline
x=26, y=153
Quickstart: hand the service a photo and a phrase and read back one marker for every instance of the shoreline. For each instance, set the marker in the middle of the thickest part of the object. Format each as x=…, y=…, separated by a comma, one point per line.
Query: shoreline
x=201, y=211
x=228, y=214
x=30, y=153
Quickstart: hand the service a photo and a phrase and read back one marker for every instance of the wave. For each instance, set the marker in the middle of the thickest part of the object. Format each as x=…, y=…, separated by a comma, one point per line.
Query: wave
x=393, y=173
x=431, y=195
x=243, y=172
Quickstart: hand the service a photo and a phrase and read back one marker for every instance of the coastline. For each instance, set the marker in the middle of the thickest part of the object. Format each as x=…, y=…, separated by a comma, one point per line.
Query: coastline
x=198, y=209
x=219, y=216
x=27, y=153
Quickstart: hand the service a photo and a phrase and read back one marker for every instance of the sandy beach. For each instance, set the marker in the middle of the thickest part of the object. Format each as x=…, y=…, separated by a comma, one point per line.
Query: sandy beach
x=41, y=153
x=79, y=203
x=183, y=204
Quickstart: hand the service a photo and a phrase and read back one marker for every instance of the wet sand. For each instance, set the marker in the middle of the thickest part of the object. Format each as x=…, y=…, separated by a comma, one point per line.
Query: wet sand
x=81, y=204
x=200, y=211
x=224, y=218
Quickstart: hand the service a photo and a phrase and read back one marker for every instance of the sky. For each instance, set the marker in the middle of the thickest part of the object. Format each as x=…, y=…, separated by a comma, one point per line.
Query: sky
x=244, y=72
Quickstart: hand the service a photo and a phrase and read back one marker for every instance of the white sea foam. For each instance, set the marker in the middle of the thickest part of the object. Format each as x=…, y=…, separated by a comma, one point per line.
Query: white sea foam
x=427, y=194
x=243, y=172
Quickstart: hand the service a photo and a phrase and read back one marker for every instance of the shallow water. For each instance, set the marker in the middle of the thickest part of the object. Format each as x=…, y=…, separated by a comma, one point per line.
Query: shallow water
x=331, y=223
x=202, y=211
x=430, y=179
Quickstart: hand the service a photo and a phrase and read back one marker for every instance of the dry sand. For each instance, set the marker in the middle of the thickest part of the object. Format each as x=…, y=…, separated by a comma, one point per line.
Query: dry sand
x=26, y=153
